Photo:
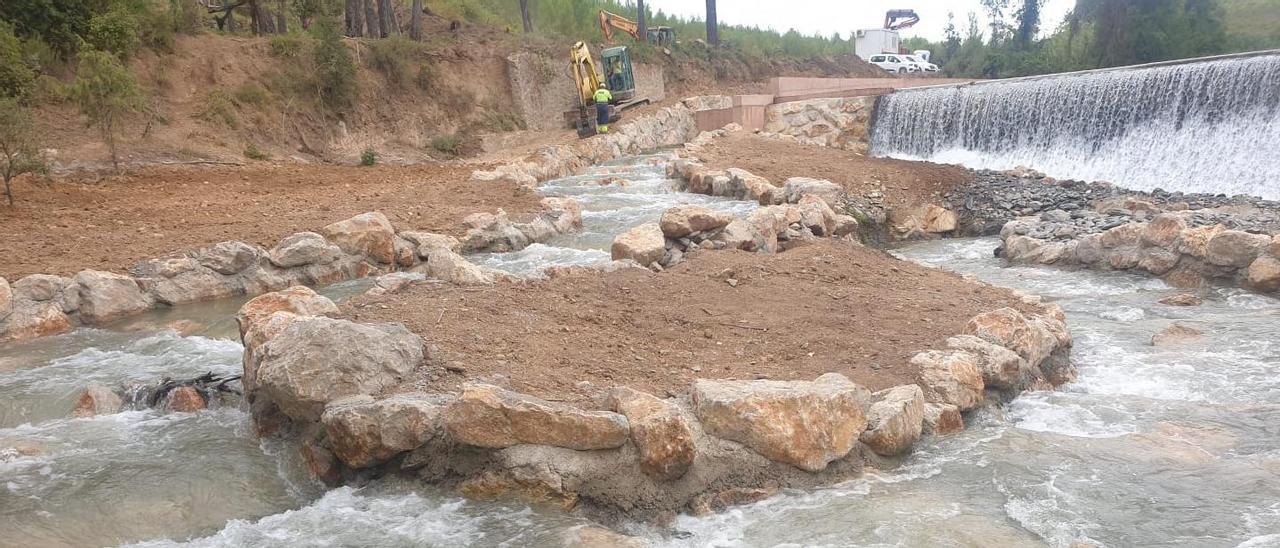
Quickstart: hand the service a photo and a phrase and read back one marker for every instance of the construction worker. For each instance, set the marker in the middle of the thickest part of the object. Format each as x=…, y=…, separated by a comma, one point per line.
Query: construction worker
x=602, y=98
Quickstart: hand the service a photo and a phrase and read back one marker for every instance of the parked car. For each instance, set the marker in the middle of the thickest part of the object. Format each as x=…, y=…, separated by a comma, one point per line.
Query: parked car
x=923, y=65
x=895, y=64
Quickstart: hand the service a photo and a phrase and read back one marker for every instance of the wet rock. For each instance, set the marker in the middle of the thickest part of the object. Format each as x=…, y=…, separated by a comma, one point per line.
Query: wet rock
x=448, y=266
x=492, y=232
x=11, y=449
x=298, y=300
x=364, y=432
x=707, y=504
x=1195, y=241
x=816, y=215
x=367, y=234
x=31, y=319
x=683, y=220
x=796, y=187
x=1264, y=274
x=185, y=399
x=1034, y=340
x=303, y=248
x=643, y=244
x=1176, y=334
x=1158, y=261
x=229, y=258
x=1182, y=299
x=95, y=400
x=658, y=430
x=738, y=235
x=426, y=242
x=105, y=296
x=487, y=416
x=37, y=287
x=1235, y=248
x=950, y=377
x=1163, y=231
x=194, y=285
x=320, y=462
x=1000, y=367
x=895, y=420
x=942, y=418
x=316, y=360
x=591, y=536
x=802, y=423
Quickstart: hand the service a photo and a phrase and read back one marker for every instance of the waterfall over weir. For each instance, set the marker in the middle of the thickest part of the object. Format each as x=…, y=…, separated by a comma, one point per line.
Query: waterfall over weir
x=1210, y=126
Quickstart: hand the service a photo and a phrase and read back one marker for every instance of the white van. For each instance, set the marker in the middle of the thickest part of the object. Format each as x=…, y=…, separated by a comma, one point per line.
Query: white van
x=922, y=64
x=895, y=64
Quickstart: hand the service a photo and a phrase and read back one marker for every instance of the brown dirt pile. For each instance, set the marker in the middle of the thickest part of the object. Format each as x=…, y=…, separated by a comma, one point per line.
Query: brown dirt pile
x=904, y=183
x=826, y=307
x=110, y=224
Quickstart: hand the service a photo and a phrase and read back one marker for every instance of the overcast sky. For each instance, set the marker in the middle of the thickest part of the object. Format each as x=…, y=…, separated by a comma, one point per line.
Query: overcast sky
x=828, y=16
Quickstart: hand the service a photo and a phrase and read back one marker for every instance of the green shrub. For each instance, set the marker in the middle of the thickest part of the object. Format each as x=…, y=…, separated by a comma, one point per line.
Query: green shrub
x=250, y=93
x=503, y=121
x=251, y=152
x=186, y=16
x=219, y=107
x=335, y=70
x=289, y=46
x=61, y=24
x=425, y=77
x=19, y=144
x=116, y=31
x=106, y=93
x=368, y=157
x=49, y=90
x=16, y=76
x=448, y=144
x=393, y=56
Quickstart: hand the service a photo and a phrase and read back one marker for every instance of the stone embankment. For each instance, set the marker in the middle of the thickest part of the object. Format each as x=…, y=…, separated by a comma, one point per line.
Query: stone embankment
x=336, y=385
x=367, y=244
x=841, y=122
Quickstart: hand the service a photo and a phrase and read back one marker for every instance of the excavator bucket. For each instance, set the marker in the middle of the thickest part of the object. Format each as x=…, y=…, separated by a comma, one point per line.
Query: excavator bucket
x=900, y=19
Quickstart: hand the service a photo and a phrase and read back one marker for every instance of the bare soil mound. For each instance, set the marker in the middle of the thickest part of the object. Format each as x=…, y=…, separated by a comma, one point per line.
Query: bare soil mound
x=829, y=306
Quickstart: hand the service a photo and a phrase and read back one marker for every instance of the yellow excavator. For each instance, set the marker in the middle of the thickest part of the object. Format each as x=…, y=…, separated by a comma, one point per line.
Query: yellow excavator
x=618, y=77
x=610, y=21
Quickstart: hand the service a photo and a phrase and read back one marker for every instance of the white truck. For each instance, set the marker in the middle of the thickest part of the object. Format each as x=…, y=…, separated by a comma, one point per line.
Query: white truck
x=868, y=42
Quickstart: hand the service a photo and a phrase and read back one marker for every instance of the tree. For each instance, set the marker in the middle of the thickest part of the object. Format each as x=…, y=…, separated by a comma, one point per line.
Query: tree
x=995, y=14
x=642, y=26
x=415, y=21
x=1028, y=22
x=713, y=33
x=371, y=20
x=106, y=93
x=18, y=149
x=335, y=69
x=953, y=37
x=282, y=23
x=387, y=18
x=524, y=16
x=355, y=18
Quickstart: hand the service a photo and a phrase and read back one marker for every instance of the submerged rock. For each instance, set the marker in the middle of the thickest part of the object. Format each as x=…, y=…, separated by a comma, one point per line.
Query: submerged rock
x=591, y=536
x=95, y=400
x=487, y=416
x=1182, y=299
x=1176, y=334
x=185, y=399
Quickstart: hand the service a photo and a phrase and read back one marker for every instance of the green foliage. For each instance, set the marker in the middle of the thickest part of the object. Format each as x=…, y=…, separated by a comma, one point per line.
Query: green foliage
x=448, y=144
x=250, y=93
x=219, y=107
x=19, y=149
x=16, y=76
x=424, y=78
x=62, y=24
x=116, y=31
x=335, y=69
x=394, y=57
x=368, y=157
x=251, y=152
x=49, y=90
x=503, y=121
x=289, y=46
x=106, y=92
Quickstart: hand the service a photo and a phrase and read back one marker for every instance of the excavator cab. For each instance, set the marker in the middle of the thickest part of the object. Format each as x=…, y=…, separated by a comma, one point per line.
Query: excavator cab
x=617, y=73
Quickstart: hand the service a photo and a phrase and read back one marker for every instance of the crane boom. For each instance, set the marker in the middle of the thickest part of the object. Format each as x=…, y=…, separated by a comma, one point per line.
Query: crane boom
x=610, y=21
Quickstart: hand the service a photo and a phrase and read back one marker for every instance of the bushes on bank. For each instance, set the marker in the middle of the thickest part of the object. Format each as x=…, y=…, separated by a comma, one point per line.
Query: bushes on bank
x=394, y=58
x=16, y=76
x=106, y=92
x=335, y=68
x=369, y=157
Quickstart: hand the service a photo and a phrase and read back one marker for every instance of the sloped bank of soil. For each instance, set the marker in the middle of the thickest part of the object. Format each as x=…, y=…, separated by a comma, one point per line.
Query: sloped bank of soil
x=830, y=306
x=81, y=222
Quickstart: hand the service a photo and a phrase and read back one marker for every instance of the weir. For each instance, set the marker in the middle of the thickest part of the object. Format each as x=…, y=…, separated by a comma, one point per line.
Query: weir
x=1211, y=125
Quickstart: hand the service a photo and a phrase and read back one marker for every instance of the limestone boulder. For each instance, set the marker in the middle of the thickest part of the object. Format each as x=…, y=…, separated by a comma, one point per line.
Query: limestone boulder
x=795, y=187
x=1273, y=249
x=299, y=300
x=1264, y=274
x=1000, y=367
x=6, y=299
x=316, y=360
x=1163, y=231
x=1235, y=248
x=367, y=235
x=230, y=257
x=1182, y=299
x=895, y=420
x=185, y=399
x=37, y=287
x=105, y=296
x=1009, y=328
x=807, y=424
x=1176, y=334
x=492, y=232
x=426, y=242
x=845, y=225
x=1129, y=234
x=738, y=234
x=448, y=266
x=659, y=431
x=1089, y=249
x=303, y=248
x=816, y=215
x=938, y=220
x=32, y=319
x=488, y=416
x=942, y=418
x=950, y=377
x=365, y=432
x=1195, y=241
x=683, y=220
x=1158, y=261
x=643, y=244
x=95, y=400
x=195, y=285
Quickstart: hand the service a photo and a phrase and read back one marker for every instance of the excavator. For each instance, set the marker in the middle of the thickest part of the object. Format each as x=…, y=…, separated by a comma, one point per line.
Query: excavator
x=618, y=77
x=610, y=21
x=900, y=19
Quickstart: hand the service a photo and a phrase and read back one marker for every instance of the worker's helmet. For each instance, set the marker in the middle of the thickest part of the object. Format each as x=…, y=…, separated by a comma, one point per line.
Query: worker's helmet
x=603, y=86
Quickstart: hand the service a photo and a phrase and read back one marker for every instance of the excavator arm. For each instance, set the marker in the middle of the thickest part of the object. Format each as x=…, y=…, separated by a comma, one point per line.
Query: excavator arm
x=900, y=19
x=584, y=72
x=610, y=21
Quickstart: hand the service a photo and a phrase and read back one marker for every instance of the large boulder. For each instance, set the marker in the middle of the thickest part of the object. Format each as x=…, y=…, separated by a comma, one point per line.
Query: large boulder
x=658, y=430
x=448, y=266
x=105, y=296
x=33, y=319
x=1163, y=231
x=1007, y=327
x=643, y=244
x=6, y=299
x=317, y=360
x=683, y=220
x=816, y=215
x=303, y=248
x=1125, y=235
x=807, y=424
x=1000, y=367
x=795, y=187
x=194, y=285
x=1195, y=241
x=488, y=416
x=1235, y=248
x=299, y=300
x=895, y=420
x=942, y=418
x=39, y=288
x=426, y=242
x=367, y=234
x=492, y=232
x=229, y=258
x=950, y=377
x=1264, y=273
x=365, y=432
x=95, y=400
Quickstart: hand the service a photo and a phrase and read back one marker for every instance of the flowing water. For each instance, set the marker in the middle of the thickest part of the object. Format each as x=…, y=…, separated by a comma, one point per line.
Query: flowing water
x=1211, y=126
x=1153, y=446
